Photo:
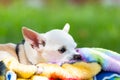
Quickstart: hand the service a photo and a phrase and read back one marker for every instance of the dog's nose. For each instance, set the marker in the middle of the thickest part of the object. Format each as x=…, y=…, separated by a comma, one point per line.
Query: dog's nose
x=77, y=57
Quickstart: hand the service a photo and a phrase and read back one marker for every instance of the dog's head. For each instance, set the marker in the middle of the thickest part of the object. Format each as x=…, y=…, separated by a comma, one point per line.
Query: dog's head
x=55, y=46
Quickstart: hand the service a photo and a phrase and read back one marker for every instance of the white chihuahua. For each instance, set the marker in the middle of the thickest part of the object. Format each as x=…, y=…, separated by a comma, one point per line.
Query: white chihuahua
x=55, y=46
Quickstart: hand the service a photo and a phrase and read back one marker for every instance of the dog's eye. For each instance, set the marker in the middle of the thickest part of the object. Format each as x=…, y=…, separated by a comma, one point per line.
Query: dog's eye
x=43, y=43
x=62, y=50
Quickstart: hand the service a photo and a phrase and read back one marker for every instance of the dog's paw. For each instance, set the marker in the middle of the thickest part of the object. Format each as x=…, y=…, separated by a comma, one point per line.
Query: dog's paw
x=39, y=70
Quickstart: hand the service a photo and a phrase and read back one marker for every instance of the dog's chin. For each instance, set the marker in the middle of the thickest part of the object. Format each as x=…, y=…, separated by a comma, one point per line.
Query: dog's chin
x=76, y=58
x=73, y=61
x=59, y=62
x=69, y=62
x=63, y=62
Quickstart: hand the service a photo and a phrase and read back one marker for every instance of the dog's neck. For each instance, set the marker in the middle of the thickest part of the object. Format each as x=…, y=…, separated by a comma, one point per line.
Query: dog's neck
x=26, y=54
x=31, y=54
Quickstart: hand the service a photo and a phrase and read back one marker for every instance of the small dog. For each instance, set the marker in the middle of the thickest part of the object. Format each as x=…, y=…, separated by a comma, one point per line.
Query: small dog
x=55, y=46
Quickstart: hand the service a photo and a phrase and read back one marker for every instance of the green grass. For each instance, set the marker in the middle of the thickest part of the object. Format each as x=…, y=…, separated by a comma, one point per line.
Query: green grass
x=91, y=25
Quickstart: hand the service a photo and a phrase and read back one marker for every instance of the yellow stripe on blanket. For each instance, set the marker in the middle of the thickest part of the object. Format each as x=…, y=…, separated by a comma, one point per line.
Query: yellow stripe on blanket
x=76, y=71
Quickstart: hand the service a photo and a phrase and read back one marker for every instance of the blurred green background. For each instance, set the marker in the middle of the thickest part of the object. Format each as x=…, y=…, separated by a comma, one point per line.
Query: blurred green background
x=94, y=23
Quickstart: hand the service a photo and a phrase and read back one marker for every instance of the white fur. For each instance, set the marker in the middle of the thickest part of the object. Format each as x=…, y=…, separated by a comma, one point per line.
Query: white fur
x=32, y=54
x=4, y=55
x=54, y=40
x=66, y=27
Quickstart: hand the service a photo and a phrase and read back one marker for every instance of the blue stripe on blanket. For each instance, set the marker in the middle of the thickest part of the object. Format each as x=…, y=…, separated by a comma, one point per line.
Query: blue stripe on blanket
x=105, y=75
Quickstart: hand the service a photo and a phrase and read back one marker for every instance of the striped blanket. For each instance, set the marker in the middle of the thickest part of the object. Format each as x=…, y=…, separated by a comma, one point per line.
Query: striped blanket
x=109, y=61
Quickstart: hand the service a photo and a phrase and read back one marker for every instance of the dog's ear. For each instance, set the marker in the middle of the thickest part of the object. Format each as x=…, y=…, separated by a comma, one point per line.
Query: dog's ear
x=32, y=37
x=66, y=27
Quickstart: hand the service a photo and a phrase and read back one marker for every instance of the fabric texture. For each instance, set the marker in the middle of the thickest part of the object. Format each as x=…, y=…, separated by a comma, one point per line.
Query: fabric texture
x=108, y=60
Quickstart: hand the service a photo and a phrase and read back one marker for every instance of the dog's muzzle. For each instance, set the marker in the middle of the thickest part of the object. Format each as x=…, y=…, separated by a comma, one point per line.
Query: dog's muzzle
x=75, y=58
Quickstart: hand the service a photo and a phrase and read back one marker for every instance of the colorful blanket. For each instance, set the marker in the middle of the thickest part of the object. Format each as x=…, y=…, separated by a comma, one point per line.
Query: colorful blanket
x=109, y=61
x=109, y=68
x=11, y=69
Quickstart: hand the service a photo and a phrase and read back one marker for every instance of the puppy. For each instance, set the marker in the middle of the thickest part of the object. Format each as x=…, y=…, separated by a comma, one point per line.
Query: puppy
x=55, y=46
